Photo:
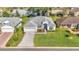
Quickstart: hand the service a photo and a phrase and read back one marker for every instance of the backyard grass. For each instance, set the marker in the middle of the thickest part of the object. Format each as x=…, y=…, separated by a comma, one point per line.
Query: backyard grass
x=58, y=38
x=18, y=34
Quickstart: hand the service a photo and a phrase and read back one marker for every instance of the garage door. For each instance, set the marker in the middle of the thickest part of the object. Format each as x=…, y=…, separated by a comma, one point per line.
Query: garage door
x=30, y=29
x=7, y=29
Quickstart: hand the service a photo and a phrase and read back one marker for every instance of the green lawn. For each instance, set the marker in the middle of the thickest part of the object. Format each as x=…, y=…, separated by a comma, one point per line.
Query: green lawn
x=58, y=38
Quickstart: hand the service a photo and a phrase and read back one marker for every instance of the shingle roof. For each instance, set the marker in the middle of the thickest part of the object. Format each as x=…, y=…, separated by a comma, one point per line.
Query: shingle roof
x=70, y=20
x=60, y=20
x=11, y=21
x=38, y=20
x=22, y=12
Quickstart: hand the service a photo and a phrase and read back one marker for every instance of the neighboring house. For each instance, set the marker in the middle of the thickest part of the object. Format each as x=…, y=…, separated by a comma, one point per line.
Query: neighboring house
x=1, y=12
x=75, y=11
x=14, y=12
x=39, y=22
x=70, y=22
x=59, y=21
x=55, y=11
x=8, y=24
x=21, y=12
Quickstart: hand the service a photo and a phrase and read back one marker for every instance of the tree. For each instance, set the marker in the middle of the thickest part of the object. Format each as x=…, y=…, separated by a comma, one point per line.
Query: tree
x=39, y=11
x=5, y=14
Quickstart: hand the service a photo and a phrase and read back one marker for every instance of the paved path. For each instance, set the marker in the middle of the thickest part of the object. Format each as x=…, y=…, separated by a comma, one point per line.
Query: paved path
x=4, y=37
x=27, y=40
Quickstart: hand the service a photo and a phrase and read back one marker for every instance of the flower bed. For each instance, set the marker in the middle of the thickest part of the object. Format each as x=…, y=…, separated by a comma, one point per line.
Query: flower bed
x=40, y=30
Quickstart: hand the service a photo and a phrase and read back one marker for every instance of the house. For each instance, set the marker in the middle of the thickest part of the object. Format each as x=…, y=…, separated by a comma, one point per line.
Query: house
x=59, y=21
x=39, y=22
x=56, y=11
x=21, y=12
x=8, y=24
x=68, y=22
x=1, y=12
x=75, y=11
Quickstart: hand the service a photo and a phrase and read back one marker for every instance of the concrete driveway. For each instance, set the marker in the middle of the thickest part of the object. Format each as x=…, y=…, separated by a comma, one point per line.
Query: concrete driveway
x=27, y=40
x=4, y=37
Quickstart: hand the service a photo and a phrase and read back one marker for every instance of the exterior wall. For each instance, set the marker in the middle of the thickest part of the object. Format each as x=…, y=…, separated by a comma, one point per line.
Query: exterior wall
x=66, y=26
x=73, y=25
x=54, y=28
x=7, y=29
x=30, y=29
x=76, y=13
x=14, y=12
x=56, y=11
x=63, y=26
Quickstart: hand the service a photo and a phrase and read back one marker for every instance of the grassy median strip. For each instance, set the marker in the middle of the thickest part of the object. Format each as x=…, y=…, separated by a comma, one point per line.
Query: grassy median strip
x=16, y=38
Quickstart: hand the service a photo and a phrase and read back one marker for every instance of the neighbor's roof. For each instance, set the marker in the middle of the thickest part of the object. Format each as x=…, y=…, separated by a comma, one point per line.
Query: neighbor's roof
x=70, y=20
x=21, y=11
x=60, y=20
x=11, y=21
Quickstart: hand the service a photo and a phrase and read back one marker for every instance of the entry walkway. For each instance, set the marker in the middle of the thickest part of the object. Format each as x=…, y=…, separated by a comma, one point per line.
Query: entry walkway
x=27, y=40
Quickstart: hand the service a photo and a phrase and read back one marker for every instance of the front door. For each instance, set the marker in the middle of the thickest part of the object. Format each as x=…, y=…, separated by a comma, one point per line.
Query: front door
x=45, y=27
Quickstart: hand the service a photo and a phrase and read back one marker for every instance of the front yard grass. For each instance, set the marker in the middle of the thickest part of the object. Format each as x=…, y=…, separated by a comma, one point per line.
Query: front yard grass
x=58, y=38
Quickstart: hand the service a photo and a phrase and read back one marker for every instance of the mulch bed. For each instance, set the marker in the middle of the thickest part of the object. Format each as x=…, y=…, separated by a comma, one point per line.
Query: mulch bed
x=40, y=30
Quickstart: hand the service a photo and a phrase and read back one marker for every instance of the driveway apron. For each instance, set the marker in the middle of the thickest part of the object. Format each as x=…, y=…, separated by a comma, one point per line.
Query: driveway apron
x=27, y=40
